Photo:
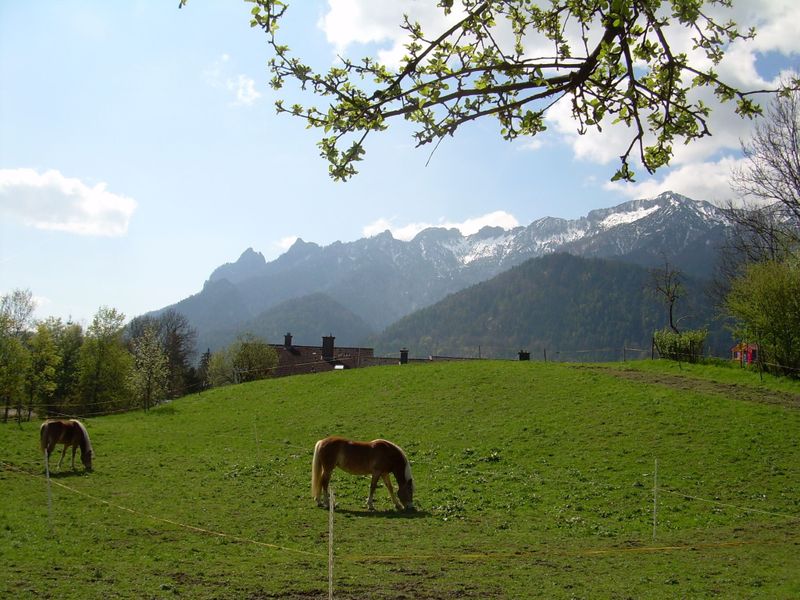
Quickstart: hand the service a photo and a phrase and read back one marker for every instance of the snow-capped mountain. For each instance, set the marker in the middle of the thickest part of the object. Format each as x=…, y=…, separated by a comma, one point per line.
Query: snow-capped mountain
x=381, y=279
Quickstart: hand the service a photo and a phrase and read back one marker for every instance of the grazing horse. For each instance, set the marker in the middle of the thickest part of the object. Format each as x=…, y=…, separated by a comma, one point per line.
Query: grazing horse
x=377, y=458
x=70, y=433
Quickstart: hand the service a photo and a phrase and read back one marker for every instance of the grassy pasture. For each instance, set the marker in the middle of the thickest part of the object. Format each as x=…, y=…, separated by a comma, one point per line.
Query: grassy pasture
x=534, y=481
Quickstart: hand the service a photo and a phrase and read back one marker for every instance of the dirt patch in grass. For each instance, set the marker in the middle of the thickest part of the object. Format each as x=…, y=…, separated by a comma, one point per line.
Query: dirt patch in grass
x=705, y=386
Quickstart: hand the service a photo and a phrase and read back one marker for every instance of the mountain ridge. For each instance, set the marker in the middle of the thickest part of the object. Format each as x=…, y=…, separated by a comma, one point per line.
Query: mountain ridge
x=381, y=279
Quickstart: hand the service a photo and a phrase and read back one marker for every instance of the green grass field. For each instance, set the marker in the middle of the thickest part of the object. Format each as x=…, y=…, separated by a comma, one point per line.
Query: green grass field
x=533, y=481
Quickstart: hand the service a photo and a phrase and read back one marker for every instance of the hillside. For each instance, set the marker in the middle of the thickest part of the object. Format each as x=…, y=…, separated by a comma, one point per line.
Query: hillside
x=560, y=303
x=307, y=318
x=532, y=480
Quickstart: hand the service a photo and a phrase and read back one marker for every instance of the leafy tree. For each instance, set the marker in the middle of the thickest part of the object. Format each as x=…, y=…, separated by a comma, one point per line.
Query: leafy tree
x=105, y=364
x=203, y=370
x=248, y=359
x=253, y=358
x=177, y=338
x=17, y=307
x=150, y=374
x=16, y=315
x=612, y=59
x=220, y=368
x=68, y=338
x=14, y=366
x=765, y=300
x=759, y=278
x=42, y=378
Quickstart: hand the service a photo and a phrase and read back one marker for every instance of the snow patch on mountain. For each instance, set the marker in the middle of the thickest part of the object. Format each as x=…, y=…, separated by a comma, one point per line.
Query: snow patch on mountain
x=624, y=218
x=498, y=247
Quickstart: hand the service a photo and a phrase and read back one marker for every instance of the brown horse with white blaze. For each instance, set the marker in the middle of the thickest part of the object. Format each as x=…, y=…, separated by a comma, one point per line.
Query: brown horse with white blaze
x=378, y=458
x=70, y=433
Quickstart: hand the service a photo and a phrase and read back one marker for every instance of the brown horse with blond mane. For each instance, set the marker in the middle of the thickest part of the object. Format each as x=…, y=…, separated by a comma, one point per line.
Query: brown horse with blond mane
x=378, y=458
x=70, y=433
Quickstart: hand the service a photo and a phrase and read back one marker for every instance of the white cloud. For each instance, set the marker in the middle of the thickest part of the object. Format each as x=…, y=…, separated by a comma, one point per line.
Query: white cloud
x=376, y=227
x=54, y=202
x=701, y=181
x=532, y=144
x=407, y=232
x=349, y=22
x=284, y=244
x=242, y=87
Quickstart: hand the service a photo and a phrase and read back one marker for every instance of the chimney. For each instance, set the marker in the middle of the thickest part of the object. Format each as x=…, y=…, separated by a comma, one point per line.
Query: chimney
x=404, y=356
x=327, y=347
x=287, y=340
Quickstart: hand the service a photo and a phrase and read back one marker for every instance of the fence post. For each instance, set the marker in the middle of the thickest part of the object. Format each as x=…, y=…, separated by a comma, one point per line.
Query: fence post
x=655, y=499
x=49, y=493
x=331, y=504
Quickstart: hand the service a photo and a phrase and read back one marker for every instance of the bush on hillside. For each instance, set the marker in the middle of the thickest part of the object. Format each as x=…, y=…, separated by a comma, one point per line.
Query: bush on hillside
x=687, y=345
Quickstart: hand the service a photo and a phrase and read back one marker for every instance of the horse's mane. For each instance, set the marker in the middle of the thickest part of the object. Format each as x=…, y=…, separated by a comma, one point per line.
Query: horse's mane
x=405, y=458
x=86, y=444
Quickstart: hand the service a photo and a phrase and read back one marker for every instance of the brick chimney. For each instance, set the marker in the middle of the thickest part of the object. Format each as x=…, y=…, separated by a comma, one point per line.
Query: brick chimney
x=327, y=347
x=287, y=340
x=403, y=356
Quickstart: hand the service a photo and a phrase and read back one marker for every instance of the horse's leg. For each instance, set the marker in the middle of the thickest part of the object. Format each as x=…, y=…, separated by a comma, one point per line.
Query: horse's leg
x=48, y=450
x=372, y=485
x=63, y=452
x=389, y=487
x=74, y=448
x=326, y=479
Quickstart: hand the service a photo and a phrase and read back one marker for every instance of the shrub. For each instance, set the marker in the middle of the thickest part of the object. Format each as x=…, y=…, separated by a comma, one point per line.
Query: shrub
x=687, y=345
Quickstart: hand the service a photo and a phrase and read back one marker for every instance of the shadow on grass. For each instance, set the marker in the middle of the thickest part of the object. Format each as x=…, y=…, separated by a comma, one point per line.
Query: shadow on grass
x=384, y=514
x=67, y=473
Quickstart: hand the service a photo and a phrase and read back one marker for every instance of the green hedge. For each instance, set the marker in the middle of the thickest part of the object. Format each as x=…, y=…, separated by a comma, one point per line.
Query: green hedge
x=687, y=345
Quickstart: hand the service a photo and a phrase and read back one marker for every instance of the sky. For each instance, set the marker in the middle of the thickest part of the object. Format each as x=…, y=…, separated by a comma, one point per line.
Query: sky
x=140, y=148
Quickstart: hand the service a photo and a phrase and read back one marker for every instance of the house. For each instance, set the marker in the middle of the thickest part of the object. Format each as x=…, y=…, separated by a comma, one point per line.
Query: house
x=297, y=360
x=746, y=354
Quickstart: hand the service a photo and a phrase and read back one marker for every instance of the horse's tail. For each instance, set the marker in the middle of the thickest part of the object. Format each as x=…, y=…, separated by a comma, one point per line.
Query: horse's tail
x=43, y=436
x=316, y=472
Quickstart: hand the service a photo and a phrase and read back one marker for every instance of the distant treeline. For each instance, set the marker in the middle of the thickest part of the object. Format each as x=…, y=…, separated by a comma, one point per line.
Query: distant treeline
x=58, y=368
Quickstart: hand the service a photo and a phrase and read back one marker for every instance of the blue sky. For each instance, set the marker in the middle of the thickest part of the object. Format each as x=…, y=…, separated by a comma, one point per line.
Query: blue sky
x=140, y=149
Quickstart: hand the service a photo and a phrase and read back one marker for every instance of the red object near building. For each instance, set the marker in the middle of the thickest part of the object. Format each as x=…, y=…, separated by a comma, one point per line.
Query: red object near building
x=746, y=354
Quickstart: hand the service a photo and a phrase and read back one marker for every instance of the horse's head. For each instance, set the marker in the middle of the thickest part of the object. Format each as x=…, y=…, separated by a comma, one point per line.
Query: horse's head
x=86, y=459
x=406, y=494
